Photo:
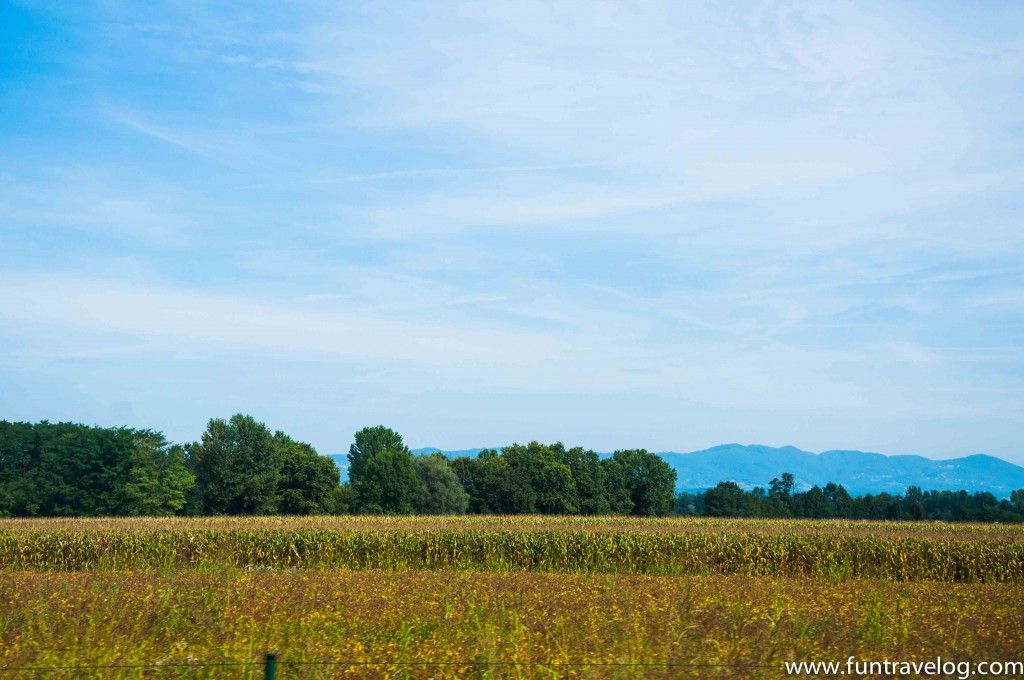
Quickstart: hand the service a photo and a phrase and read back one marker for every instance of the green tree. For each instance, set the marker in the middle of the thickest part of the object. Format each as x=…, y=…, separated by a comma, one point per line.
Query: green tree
x=381, y=471
x=71, y=469
x=158, y=482
x=493, y=486
x=370, y=441
x=389, y=483
x=308, y=480
x=550, y=479
x=237, y=467
x=782, y=488
x=590, y=480
x=438, y=491
x=617, y=490
x=842, y=503
x=650, y=481
x=1017, y=500
x=343, y=500
x=816, y=504
x=725, y=500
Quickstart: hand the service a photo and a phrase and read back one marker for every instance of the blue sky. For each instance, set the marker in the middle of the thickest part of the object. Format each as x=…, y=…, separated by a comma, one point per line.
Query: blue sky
x=658, y=224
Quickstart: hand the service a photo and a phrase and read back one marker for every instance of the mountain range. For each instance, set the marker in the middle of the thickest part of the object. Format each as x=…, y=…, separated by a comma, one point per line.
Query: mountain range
x=860, y=472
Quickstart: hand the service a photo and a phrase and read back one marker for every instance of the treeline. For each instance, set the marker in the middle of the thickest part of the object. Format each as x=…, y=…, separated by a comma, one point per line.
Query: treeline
x=780, y=500
x=536, y=478
x=240, y=467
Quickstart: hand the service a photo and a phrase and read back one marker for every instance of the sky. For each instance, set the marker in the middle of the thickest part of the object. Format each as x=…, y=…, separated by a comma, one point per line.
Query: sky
x=652, y=224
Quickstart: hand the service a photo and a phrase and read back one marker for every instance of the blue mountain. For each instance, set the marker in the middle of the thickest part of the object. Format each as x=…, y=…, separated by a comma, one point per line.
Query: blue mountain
x=858, y=471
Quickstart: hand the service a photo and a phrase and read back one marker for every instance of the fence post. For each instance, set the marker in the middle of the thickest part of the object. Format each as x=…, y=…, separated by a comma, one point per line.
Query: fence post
x=270, y=668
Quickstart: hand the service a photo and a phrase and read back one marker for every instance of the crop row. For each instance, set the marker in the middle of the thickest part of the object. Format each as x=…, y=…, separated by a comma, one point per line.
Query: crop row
x=611, y=523
x=835, y=556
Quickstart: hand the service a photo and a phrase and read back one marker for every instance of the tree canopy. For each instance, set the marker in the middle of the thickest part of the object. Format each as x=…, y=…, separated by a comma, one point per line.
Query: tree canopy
x=239, y=467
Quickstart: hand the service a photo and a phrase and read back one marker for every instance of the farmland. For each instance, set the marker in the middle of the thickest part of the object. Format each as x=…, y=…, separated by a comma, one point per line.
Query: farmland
x=585, y=594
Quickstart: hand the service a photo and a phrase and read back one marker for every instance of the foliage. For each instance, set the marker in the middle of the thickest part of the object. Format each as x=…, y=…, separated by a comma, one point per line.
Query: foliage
x=381, y=471
x=71, y=470
x=389, y=484
x=649, y=481
x=493, y=486
x=308, y=480
x=729, y=500
x=438, y=490
x=237, y=467
x=369, y=442
x=159, y=481
x=542, y=468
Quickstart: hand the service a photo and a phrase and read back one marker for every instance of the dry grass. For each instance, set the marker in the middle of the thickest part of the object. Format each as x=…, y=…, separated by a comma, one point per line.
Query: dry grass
x=517, y=618
x=456, y=594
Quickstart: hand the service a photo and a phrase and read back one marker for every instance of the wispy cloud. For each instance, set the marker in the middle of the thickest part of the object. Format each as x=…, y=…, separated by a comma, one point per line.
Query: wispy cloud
x=429, y=172
x=779, y=222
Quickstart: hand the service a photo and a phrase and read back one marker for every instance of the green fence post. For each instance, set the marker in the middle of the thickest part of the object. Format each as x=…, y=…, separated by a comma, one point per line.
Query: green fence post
x=270, y=669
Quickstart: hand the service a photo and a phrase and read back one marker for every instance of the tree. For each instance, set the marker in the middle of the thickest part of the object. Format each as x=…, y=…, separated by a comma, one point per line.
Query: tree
x=782, y=488
x=18, y=457
x=842, y=503
x=649, y=480
x=237, y=467
x=816, y=504
x=308, y=480
x=381, y=471
x=725, y=500
x=370, y=441
x=478, y=480
x=616, y=486
x=590, y=480
x=389, y=483
x=159, y=482
x=343, y=500
x=690, y=503
x=438, y=491
x=543, y=470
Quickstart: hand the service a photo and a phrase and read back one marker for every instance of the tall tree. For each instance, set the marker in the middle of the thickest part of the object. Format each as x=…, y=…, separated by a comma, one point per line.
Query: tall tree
x=389, y=485
x=381, y=471
x=309, y=481
x=649, y=480
x=438, y=491
x=550, y=479
x=616, y=484
x=370, y=441
x=237, y=467
x=159, y=481
x=590, y=481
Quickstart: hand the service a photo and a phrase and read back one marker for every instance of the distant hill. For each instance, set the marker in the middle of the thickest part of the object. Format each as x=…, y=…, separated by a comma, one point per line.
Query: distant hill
x=859, y=472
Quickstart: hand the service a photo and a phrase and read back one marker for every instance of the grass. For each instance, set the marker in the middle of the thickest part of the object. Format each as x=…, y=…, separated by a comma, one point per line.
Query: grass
x=532, y=594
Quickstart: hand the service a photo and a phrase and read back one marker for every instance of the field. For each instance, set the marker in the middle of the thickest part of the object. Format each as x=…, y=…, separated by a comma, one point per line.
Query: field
x=500, y=597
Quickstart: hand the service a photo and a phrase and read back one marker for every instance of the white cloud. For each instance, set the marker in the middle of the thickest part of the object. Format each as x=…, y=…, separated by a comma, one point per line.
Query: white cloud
x=202, y=319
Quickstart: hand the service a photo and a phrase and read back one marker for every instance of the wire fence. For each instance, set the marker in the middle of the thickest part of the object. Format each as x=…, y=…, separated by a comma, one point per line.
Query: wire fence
x=271, y=664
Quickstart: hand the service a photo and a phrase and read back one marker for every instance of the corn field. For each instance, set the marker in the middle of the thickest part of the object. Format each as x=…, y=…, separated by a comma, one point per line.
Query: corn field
x=495, y=597
x=550, y=545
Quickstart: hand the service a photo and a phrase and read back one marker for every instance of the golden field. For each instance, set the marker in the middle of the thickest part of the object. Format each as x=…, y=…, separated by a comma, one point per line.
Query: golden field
x=523, y=597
